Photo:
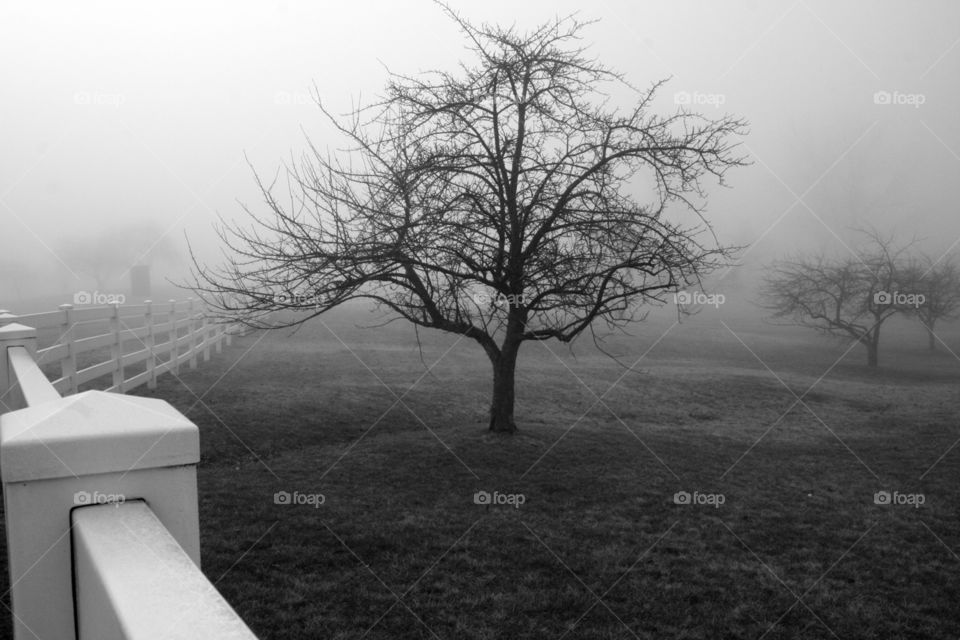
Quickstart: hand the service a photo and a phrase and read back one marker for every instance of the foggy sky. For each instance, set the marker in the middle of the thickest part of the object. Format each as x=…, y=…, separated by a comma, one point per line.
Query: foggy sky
x=119, y=113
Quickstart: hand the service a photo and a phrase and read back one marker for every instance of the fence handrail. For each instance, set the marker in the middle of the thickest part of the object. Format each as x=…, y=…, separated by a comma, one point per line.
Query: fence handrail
x=93, y=313
x=34, y=386
x=121, y=549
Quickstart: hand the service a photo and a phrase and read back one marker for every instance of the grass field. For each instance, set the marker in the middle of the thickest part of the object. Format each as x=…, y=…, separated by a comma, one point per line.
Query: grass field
x=599, y=548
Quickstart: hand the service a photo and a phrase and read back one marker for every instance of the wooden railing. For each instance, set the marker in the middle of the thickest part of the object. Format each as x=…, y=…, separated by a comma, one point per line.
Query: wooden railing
x=100, y=490
x=132, y=344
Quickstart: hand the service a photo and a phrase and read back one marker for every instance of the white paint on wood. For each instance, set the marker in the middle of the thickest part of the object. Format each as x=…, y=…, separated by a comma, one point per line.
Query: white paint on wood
x=61, y=455
x=34, y=388
x=78, y=450
x=124, y=329
x=94, y=432
x=135, y=582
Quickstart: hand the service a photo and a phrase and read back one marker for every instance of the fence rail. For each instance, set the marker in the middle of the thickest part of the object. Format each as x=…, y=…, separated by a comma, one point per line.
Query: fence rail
x=111, y=567
x=133, y=344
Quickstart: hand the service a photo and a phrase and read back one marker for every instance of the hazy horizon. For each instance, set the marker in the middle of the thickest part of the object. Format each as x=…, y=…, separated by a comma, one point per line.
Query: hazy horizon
x=141, y=120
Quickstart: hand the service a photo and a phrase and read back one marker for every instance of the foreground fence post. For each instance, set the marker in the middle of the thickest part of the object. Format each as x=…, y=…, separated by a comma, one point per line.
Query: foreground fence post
x=93, y=448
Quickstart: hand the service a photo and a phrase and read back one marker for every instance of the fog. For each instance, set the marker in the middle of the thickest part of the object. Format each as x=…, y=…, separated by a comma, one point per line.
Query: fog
x=131, y=118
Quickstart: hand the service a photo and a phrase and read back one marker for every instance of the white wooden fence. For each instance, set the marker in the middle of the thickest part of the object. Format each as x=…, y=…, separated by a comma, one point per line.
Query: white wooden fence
x=91, y=342
x=99, y=488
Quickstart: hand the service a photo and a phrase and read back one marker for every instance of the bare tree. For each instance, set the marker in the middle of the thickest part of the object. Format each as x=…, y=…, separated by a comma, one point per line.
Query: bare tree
x=110, y=253
x=494, y=203
x=848, y=297
x=938, y=281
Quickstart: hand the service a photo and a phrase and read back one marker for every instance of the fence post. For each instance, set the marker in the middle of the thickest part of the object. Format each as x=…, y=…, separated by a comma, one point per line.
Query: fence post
x=207, y=332
x=218, y=337
x=72, y=454
x=116, y=349
x=192, y=331
x=68, y=366
x=13, y=335
x=174, y=338
x=150, y=344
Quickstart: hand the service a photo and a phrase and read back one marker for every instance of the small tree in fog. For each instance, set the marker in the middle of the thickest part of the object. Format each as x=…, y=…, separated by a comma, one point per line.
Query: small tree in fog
x=939, y=283
x=110, y=253
x=846, y=297
x=500, y=202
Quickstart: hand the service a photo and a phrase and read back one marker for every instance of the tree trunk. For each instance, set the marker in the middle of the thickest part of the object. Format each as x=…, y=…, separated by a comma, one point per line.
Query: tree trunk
x=873, y=351
x=501, y=405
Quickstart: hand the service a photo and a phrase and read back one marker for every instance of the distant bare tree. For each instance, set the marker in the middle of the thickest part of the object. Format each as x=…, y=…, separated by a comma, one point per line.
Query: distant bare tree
x=111, y=252
x=495, y=203
x=939, y=283
x=848, y=297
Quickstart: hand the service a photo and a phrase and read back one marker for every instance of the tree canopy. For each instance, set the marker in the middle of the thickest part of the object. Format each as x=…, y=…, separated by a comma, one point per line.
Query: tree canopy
x=496, y=201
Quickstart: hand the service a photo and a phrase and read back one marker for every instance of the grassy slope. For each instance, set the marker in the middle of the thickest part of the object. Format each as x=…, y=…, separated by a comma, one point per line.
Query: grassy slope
x=598, y=549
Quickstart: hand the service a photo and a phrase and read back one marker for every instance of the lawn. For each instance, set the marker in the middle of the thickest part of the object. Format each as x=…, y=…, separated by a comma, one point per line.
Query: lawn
x=787, y=543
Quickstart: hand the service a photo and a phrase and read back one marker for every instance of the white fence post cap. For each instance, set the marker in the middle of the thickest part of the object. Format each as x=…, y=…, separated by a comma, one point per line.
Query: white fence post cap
x=94, y=432
x=16, y=331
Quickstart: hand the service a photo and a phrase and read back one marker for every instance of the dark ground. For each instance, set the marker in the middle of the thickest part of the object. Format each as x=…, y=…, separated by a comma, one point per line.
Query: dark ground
x=598, y=549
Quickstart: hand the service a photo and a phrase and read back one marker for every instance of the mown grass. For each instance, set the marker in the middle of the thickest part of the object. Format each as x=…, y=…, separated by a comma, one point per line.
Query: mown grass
x=598, y=549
